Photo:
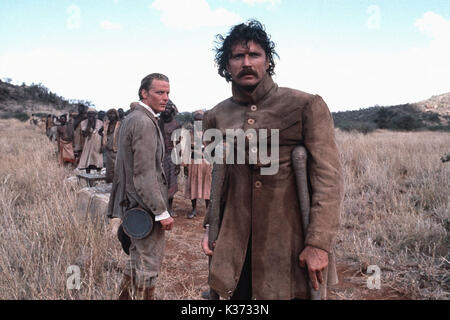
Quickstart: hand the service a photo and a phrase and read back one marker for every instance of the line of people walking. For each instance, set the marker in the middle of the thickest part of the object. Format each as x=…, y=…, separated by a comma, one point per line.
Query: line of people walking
x=88, y=141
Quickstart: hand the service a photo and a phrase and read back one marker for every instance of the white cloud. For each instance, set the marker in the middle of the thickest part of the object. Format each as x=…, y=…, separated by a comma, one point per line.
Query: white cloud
x=435, y=27
x=436, y=55
x=193, y=14
x=108, y=25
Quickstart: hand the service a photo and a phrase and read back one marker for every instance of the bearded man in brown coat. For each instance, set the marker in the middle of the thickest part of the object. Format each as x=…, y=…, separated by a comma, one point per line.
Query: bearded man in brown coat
x=261, y=251
x=140, y=182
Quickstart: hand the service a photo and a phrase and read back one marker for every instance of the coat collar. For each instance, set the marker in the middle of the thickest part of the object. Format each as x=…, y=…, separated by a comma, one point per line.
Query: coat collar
x=261, y=91
x=151, y=115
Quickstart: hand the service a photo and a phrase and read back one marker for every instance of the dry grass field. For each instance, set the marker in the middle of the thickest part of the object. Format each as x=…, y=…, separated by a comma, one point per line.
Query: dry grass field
x=396, y=215
x=396, y=211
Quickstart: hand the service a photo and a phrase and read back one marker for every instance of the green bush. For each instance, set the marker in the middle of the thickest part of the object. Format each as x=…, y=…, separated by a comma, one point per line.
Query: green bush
x=4, y=93
x=350, y=125
x=440, y=127
x=40, y=115
x=384, y=118
x=406, y=122
x=22, y=116
x=433, y=117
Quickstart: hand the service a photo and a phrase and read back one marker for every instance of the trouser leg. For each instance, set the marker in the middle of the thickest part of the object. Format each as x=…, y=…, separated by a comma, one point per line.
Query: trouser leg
x=145, y=261
x=244, y=288
x=213, y=295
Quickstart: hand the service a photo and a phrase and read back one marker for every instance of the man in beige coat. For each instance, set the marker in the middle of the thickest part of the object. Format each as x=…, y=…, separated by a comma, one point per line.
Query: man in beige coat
x=91, y=157
x=139, y=182
x=261, y=251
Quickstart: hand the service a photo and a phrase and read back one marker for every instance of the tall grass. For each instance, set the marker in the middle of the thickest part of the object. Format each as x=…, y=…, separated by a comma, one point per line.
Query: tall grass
x=396, y=211
x=40, y=236
x=43, y=236
x=395, y=215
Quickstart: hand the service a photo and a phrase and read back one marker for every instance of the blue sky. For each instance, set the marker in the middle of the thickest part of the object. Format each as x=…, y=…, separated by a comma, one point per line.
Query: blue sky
x=353, y=53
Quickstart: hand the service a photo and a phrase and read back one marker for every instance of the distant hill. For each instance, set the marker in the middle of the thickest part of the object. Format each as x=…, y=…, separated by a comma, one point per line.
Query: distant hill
x=22, y=101
x=431, y=114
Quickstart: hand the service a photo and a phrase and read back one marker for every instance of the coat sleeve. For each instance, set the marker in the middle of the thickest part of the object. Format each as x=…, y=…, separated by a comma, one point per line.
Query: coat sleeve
x=208, y=123
x=144, y=147
x=325, y=175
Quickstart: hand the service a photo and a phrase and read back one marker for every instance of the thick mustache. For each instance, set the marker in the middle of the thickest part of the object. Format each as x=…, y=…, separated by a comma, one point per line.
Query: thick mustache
x=246, y=72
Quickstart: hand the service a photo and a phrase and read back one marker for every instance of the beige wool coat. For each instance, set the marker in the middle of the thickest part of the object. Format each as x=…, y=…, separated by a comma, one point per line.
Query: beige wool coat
x=139, y=178
x=91, y=154
x=266, y=207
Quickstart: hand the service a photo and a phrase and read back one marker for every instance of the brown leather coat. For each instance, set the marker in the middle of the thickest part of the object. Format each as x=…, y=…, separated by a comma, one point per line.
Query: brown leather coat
x=265, y=207
x=139, y=178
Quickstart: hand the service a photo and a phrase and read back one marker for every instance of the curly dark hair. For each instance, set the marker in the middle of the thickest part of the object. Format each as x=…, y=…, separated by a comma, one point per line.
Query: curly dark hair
x=252, y=30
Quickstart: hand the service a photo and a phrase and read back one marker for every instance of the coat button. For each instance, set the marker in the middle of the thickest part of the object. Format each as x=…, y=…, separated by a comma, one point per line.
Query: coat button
x=258, y=184
x=254, y=150
x=250, y=136
x=251, y=121
x=253, y=108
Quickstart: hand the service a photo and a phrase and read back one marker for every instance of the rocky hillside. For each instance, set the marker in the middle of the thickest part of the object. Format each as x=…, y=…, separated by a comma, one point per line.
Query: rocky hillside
x=431, y=114
x=22, y=101
x=439, y=104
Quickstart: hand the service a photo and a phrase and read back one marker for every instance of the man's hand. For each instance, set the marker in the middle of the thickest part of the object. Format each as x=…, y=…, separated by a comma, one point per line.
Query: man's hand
x=316, y=260
x=167, y=224
x=205, y=245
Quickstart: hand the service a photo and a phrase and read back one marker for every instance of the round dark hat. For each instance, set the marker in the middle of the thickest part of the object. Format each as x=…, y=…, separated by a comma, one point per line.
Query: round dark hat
x=137, y=223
